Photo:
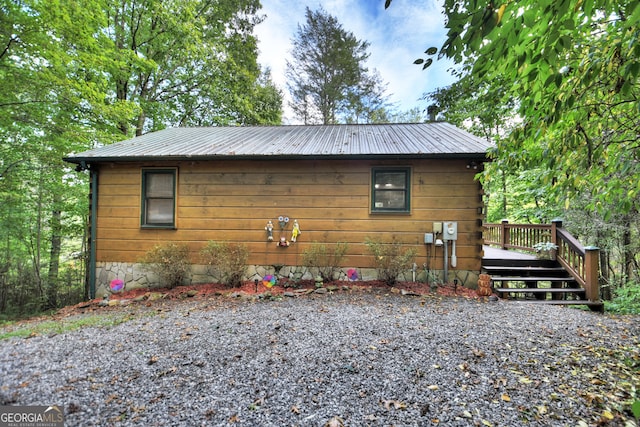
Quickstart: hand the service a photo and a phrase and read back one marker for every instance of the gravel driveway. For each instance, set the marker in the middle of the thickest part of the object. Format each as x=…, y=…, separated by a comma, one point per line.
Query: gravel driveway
x=365, y=358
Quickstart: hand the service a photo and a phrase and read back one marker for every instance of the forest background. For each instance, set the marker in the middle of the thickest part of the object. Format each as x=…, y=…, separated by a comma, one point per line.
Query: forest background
x=553, y=83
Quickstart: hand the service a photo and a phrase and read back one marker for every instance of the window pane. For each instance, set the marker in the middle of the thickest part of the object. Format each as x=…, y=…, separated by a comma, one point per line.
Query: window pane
x=159, y=185
x=390, y=200
x=390, y=180
x=159, y=211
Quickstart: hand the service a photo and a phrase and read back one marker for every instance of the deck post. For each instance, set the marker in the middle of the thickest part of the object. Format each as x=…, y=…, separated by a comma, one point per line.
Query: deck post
x=555, y=224
x=504, y=233
x=591, y=260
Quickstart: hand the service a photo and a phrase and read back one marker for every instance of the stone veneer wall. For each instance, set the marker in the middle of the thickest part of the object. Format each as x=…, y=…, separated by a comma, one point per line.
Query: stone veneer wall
x=137, y=276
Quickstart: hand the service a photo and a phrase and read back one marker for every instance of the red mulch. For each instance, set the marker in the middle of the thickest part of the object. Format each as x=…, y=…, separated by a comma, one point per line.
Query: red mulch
x=249, y=288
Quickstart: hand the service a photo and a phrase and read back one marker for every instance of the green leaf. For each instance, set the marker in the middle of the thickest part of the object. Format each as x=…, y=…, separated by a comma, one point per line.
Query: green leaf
x=551, y=78
x=632, y=69
x=431, y=51
x=489, y=24
x=427, y=63
x=387, y=3
x=475, y=39
x=529, y=17
x=476, y=18
x=563, y=7
x=418, y=61
x=588, y=5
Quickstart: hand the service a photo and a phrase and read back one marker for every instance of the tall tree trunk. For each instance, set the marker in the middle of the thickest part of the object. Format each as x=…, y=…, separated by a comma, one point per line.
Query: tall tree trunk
x=4, y=268
x=37, y=245
x=504, y=194
x=605, y=272
x=55, y=224
x=627, y=248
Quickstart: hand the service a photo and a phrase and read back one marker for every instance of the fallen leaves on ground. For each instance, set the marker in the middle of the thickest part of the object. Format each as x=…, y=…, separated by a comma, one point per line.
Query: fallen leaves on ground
x=393, y=404
x=335, y=422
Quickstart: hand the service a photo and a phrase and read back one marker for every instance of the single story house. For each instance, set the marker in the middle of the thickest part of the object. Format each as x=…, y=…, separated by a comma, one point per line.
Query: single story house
x=335, y=183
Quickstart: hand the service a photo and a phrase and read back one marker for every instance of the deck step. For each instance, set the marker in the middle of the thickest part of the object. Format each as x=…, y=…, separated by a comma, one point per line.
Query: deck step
x=541, y=290
x=525, y=269
x=531, y=279
x=518, y=263
x=597, y=304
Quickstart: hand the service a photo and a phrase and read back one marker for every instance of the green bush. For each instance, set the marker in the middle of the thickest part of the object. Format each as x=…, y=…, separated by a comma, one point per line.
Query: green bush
x=325, y=261
x=170, y=262
x=626, y=300
x=390, y=259
x=226, y=261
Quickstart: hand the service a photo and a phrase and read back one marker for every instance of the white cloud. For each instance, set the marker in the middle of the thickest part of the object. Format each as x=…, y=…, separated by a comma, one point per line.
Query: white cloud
x=397, y=37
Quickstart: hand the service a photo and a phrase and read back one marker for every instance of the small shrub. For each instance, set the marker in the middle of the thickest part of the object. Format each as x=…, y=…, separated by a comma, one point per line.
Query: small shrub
x=226, y=261
x=326, y=262
x=170, y=262
x=626, y=300
x=390, y=259
x=544, y=250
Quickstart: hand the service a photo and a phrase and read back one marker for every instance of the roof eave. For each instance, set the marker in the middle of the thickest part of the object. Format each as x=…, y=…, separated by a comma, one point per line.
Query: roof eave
x=131, y=159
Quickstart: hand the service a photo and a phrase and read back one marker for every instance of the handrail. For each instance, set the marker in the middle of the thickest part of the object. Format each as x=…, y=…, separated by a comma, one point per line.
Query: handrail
x=582, y=263
x=517, y=236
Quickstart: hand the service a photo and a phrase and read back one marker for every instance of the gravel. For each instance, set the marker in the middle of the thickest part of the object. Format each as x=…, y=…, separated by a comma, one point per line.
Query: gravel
x=349, y=358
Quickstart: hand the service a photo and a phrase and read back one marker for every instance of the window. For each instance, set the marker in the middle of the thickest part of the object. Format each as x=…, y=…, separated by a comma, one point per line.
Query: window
x=390, y=190
x=158, y=198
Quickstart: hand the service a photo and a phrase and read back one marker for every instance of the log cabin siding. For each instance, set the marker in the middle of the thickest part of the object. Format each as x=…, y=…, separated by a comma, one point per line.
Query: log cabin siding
x=232, y=200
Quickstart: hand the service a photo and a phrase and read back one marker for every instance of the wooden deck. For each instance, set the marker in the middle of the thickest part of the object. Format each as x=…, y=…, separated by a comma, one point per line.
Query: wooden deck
x=496, y=253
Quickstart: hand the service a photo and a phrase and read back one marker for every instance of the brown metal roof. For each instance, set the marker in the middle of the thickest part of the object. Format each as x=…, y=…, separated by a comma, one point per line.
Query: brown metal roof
x=427, y=140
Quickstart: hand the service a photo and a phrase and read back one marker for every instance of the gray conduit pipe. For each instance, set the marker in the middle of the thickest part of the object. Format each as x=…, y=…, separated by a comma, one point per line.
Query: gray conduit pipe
x=446, y=262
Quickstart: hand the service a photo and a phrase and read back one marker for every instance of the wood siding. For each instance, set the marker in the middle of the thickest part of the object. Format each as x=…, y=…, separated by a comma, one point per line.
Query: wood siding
x=233, y=200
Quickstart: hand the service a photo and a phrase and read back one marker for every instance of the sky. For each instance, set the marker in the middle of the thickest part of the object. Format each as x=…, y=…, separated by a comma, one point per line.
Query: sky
x=397, y=36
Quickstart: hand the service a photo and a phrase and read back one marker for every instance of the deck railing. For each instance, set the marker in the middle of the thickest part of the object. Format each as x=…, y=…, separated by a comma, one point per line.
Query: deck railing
x=581, y=262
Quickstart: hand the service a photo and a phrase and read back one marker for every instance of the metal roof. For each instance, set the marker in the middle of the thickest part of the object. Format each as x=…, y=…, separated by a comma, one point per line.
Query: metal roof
x=426, y=140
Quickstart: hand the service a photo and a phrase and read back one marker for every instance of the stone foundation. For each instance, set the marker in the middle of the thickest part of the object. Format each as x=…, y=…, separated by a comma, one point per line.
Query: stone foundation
x=136, y=276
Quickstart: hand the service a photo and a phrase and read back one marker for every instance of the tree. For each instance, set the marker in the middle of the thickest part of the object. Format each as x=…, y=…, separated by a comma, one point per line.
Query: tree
x=574, y=68
x=367, y=101
x=266, y=105
x=129, y=67
x=51, y=103
x=192, y=63
x=327, y=77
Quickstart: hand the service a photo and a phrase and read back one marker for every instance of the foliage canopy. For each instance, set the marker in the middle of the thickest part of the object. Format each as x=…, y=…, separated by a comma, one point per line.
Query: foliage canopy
x=77, y=74
x=573, y=66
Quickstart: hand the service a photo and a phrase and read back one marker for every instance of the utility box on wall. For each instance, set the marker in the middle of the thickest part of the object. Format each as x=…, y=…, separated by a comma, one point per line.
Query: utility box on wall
x=450, y=230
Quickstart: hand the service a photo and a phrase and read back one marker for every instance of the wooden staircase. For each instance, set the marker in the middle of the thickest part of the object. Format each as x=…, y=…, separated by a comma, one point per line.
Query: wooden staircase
x=536, y=280
x=571, y=278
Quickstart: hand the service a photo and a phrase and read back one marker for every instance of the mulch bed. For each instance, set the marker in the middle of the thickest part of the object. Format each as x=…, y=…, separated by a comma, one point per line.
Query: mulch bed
x=149, y=296
x=251, y=289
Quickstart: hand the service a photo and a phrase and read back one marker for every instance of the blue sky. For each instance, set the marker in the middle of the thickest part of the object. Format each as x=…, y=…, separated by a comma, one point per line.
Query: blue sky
x=397, y=36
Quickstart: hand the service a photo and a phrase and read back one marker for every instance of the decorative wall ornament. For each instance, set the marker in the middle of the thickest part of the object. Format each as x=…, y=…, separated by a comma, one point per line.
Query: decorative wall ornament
x=269, y=229
x=283, y=221
x=116, y=285
x=296, y=231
